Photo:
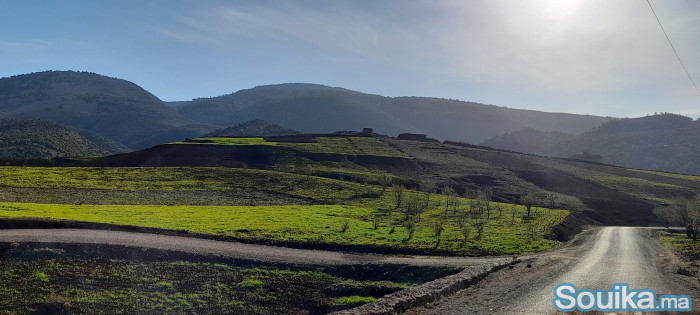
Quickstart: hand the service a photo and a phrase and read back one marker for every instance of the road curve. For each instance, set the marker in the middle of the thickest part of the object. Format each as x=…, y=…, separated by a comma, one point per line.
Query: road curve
x=253, y=252
x=597, y=261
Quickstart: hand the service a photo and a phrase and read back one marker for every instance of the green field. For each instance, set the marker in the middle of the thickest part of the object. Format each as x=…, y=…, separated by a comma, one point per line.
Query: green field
x=335, y=145
x=304, y=199
x=321, y=225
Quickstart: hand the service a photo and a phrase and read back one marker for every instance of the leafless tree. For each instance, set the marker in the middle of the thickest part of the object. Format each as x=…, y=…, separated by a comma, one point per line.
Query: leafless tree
x=683, y=212
x=398, y=195
x=528, y=201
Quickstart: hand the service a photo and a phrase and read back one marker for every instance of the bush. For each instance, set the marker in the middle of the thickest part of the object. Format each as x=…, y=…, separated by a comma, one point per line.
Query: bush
x=354, y=300
x=250, y=283
x=41, y=277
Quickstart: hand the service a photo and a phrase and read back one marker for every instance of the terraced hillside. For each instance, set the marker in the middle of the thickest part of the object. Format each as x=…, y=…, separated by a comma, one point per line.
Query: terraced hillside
x=595, y=193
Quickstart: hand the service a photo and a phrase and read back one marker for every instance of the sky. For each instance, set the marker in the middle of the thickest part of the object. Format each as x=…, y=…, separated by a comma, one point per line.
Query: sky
x=598, y=57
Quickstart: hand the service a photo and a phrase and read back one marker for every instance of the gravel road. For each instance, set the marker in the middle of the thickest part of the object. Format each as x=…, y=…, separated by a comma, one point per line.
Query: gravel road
x=596, y=259
x=263, y=253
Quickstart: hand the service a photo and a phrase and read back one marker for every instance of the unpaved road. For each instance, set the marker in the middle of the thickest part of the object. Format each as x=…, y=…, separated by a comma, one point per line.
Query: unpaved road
x=594, y=260
x=252, y=252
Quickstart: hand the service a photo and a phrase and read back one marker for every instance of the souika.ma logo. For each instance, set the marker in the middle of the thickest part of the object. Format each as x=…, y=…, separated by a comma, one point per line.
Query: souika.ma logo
x=620, y=298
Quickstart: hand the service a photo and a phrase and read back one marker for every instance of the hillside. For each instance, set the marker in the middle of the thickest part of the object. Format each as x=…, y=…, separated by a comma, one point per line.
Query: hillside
x=114, y=108
x=37, y=139
x=527, y=140
x=253, y=128
x=664, y=142
x=593, y=192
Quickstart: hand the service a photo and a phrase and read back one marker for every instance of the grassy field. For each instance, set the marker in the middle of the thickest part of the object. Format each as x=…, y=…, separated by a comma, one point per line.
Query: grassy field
x=37, y=278
x=324, y=225
x=345, y=213
x=348, y=145
x=179, y=179
x=335, y=145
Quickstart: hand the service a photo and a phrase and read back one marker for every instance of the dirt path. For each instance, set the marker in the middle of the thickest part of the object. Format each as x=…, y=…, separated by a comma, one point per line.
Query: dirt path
x=594, y=260
x=262, y=253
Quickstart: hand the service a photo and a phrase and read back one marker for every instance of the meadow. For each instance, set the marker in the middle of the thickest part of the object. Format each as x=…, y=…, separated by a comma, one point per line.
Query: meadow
x=334, y=145
x=322, y=226
x=338, y=213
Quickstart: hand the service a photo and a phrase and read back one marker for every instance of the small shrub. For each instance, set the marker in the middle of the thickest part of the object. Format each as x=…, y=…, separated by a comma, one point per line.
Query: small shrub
x=164, y=285
x=354, y=300
x=40, y=276
x=250, y=283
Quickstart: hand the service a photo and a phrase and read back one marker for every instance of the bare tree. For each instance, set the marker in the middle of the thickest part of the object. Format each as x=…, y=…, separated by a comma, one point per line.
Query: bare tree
x=465, y=233
x=473, y=202
x=683, y=212
x=551, y=200
x=397, y=196
x=528, y=201
x=438, y=228
x=384, y=182
x=485, y=196
x=416, y=203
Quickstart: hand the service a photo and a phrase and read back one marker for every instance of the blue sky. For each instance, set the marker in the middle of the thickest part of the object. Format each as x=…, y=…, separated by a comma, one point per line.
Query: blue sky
x=596, y=57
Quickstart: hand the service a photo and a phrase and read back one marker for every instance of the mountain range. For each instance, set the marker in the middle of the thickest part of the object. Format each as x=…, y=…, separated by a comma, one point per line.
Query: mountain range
x=665, y=142
x=123, y=111
x=133, y=118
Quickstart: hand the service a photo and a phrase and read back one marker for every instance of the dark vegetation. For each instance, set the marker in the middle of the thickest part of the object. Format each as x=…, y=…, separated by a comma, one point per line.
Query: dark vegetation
x=94, y=279
x=253, y=128
x=38, y=139
x=664, y=142
x=684, y=213
x=114, y=108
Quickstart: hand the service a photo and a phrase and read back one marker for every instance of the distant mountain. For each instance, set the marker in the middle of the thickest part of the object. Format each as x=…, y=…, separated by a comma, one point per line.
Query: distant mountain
x=665, y=142
x=253, y=128
x=316, y=108
x=122, y=111
x=114, y=108
x=37, y=139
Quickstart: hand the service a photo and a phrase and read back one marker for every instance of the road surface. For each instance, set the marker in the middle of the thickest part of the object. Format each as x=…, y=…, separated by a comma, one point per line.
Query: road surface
x=250, y=252
x=596, y=260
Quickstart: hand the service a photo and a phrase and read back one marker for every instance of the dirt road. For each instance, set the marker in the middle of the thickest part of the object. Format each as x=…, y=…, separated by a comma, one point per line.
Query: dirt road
x=270, y=254
x=595, y=260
